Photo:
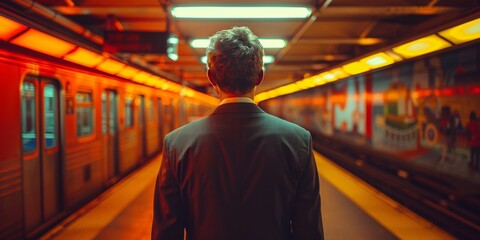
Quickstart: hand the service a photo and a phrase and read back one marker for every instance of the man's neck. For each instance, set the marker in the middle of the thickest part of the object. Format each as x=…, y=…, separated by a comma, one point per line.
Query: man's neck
x=224, y=95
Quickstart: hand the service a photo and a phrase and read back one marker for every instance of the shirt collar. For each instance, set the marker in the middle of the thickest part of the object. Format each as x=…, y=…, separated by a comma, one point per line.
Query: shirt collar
x=237, y=100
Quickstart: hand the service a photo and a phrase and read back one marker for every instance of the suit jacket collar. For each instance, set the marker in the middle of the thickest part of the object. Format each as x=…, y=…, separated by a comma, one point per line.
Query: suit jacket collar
x=237, y=107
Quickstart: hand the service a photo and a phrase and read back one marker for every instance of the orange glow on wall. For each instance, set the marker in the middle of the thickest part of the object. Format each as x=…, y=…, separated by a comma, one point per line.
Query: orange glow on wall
x=110, y=66
x=44, y=43
x=84, y=57
x=9, y=28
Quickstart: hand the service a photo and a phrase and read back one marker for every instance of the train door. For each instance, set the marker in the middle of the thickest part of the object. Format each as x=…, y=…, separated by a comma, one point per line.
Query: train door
x=160, y=121
x=110, y=132
x=40, y=151
x=143, y=129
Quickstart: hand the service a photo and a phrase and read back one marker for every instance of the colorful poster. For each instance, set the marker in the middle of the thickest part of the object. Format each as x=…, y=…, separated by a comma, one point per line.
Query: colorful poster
x=423, y=111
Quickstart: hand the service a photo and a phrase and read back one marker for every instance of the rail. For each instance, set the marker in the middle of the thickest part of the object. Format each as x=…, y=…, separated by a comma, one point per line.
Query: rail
x=450, y=202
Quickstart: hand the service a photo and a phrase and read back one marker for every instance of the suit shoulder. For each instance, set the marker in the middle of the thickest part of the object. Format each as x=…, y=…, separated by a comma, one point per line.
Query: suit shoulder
x=194, y=125
x=287, y=125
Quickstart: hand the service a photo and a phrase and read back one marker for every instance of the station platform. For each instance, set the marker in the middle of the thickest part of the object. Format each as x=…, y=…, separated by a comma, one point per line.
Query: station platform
x=351, y=209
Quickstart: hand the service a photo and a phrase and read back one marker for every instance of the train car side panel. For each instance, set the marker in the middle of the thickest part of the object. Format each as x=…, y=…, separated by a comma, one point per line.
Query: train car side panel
x=11, y=220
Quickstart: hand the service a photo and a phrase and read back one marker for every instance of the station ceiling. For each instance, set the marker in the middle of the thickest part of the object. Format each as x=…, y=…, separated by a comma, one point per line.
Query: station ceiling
x=335, y=32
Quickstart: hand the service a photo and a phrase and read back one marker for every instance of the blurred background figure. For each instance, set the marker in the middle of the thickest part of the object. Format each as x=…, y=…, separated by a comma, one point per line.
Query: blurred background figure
x=447, y=127
x=473, y=132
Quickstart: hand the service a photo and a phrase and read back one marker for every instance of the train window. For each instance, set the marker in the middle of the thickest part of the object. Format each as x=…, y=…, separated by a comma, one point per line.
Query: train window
x=151, y=110
x=29, y=134
x=84, y=113
x=128, y=112
x=104, y=113
x=50, y=115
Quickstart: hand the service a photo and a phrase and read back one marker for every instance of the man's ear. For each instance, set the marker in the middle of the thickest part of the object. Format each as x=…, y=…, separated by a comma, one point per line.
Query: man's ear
x=259, y=78
x=211, y=78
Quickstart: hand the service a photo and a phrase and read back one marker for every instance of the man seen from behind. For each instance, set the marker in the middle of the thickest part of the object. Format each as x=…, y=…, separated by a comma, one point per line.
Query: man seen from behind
x=239, y=173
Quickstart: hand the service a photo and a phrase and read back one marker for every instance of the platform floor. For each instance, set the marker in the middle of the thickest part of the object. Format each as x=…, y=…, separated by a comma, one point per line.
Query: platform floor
x=351, y=209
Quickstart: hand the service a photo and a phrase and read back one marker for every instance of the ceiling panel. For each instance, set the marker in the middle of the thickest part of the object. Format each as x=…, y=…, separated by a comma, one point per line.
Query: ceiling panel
x=337, y=31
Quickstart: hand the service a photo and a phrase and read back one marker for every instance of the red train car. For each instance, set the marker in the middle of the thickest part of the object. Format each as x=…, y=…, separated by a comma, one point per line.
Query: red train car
x=67, y=132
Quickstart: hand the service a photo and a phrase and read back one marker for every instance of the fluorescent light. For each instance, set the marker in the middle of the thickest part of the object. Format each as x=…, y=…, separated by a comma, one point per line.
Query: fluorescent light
x=355, y=68
x=463, y=33
x=200, y=43
x=110, y=66
x=128, y=72
x=84, y=57
x=377, y=60
x=9, y=28
x=173, y=40
x=328, y=76
x=266, y=43
x=44, y=43
x=339, y=73
x=421, y=46
x=141, y=77
x=266, y=59
x=273, y=43
x=173, y=56
x=240, y=12
x=287, y=89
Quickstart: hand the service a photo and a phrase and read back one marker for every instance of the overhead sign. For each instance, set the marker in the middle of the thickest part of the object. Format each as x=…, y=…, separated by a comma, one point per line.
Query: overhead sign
x=135, y=42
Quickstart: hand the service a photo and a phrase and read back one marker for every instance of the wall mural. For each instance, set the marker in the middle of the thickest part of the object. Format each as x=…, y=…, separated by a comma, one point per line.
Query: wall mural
x=423, y=111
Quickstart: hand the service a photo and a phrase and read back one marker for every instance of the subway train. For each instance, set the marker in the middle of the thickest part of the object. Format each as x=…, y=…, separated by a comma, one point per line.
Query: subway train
x=68, y=132
x=387, y=127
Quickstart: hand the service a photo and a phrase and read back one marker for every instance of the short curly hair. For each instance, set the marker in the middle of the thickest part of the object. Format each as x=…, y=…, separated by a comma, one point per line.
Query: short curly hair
x=235, y=59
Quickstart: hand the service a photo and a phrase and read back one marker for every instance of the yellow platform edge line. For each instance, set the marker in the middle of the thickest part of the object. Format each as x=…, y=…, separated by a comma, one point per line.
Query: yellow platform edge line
x=399, y=220
x=89, y=221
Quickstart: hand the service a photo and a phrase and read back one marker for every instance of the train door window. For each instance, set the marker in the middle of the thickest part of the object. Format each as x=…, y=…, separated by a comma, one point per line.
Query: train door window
x=143, y=127
x=109, y=112
x=110, y=133
x=112, y=112
x=104, y=113
x=84, y=113
x=29, y=120
x=128, y=112
x=50, y=115
x=151, y=110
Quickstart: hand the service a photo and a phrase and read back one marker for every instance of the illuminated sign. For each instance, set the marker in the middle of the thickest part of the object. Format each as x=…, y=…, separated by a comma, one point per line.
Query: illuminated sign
x=135, y=42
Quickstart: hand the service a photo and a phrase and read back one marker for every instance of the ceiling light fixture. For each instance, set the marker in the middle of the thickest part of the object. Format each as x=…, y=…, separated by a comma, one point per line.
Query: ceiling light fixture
x=463, y=33
x=84, y=57
x=266, y=43
x=377, y=60
x=421, y=46
x=44, y=43
x=9, y=28
x=240, y=12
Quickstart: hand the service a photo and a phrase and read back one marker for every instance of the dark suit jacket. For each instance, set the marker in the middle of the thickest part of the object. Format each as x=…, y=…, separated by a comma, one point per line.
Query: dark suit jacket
x=238, y=173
